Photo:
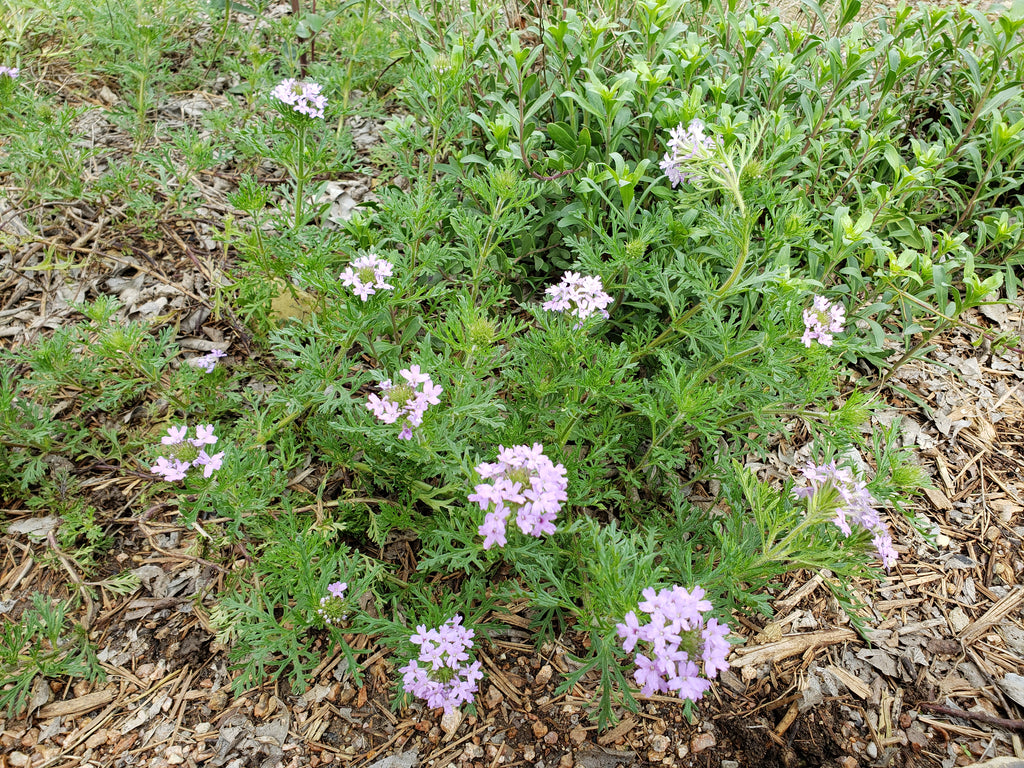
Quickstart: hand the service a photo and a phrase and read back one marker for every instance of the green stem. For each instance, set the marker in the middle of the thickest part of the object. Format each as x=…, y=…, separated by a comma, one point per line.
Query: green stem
x=700, y=380
x=780, y=550
x=486, y=247
x=263, y=437
x=300, y=174
x=672, y=331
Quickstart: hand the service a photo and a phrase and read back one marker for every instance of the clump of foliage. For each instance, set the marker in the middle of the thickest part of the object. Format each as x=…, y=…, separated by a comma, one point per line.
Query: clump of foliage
x=614, y=260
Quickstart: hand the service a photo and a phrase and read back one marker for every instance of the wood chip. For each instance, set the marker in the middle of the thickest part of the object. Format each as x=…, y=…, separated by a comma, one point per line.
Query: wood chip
x=993, y=615
x=857, y=686
x=787, y=603
x=77, y=706
x=790, y=646
x=938, y=499
x=628, y=723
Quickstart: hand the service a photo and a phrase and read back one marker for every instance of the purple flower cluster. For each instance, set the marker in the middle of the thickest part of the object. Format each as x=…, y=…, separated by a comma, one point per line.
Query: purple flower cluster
x=854, y=505
x=208, y=361
x=524, y=481
x=579, y=295
x=186, y=453
x=685, y=145
x=822, y=321
x=407, y=401
x=332, y=606
x=304, y=98
x=446, y=678
x=11, y=72
x=367, y=274
x=677, y=637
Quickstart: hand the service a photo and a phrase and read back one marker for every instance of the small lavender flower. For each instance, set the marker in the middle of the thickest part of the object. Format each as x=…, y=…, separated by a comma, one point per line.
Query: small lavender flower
x=204, y=436
x=854, y=504
x=367, y=274
x=523, y=481
x=406, y=401
x=210, y=464
x=171, y=469
x=822, y=321
x=11, y=72
x=332, y=606
x=579, y=295
x=684, y=146
x=675, y=638
x=183, y=454
x=208, y=361
x=174, y=435
x=304, y=98
x=446, y=678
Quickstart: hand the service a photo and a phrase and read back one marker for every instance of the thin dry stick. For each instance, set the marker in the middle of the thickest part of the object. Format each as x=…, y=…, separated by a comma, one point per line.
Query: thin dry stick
x=981, y=717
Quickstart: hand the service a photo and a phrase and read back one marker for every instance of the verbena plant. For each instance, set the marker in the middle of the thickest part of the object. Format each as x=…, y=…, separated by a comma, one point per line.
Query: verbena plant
x=642, y=249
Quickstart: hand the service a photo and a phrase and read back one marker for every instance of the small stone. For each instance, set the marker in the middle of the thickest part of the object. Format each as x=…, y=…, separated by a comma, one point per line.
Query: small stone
x=551, y=738
x=958, y=620
x=577, y=736
x=871, y=750
x=202, y=728
x=218, y=700
x=347, y=694
x=682, y=751
x=660, y=744
x=730, y=764
x=539, y=730
x=17, y=759
x=529, y=752
x=848, y=762
x=450, y=722
x=543, y=676
x=701, y=741
x=174, y=755
x=97, y=739
x=434, y=736
x=493, y=697
x=565, y=761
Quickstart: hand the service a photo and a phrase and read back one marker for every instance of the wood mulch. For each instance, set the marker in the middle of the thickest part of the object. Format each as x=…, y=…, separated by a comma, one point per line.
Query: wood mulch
x=939, y=685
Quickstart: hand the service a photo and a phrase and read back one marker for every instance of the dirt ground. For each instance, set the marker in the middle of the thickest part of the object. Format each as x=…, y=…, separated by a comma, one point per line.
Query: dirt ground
x=939, y=684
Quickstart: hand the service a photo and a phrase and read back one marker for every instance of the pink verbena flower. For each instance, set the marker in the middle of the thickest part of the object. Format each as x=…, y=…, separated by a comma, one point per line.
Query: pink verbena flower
x=332, y=606
x=171, y=469
x=204, y=436
x=442, y=674
x=210, y=464
x=673, y=641
x=304, y=98
x=367, y=274
x=174, y=435
x=11, y=72
x=684, y=146
x=822, y=321
x=523, y=481
x=578, y=295
x=208, y=361
x=406, y=401
x=853, y=503
x=181, y=454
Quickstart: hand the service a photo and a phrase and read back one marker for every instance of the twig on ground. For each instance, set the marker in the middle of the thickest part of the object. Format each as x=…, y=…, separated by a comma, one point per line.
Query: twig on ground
x=981, y=717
